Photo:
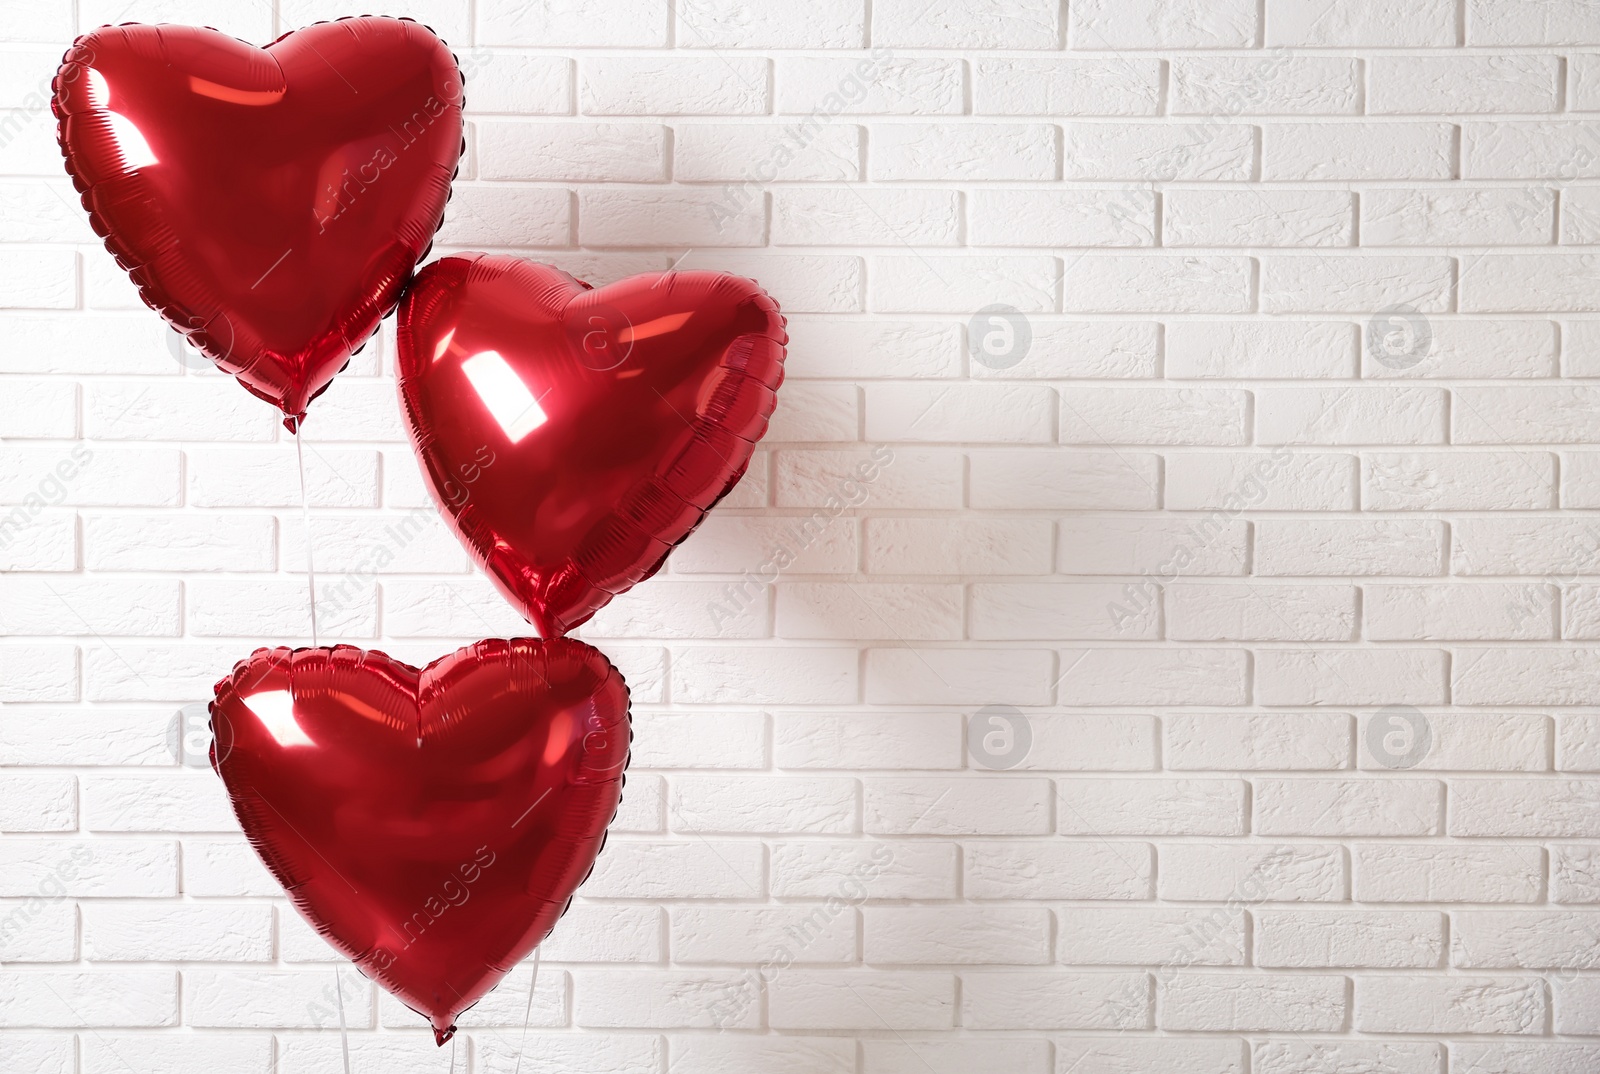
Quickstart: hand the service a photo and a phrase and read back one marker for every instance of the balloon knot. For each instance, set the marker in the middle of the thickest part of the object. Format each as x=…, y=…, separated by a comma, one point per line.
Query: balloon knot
x=441, y=1037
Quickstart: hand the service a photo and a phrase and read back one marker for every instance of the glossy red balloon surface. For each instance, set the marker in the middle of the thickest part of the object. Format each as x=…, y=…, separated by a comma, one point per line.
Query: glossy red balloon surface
x=574, y=436
x=270, y=203
x=432, y=825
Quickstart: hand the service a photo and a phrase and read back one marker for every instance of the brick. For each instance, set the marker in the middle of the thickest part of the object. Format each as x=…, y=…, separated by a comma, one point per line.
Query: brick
x=1021, y=86
x=640, y=23
x=1336, y=939
x=571, y=152
x=752, y=804
x=1276, y=85
x=632, y=869
x=760, y=152
x=821, y=869
x=1350, y=677
x=1461, y=742
x=1472, y=348
x=149, y=931
x=103, y=998
x=906, y=675
x=1458, y=481
x=1107, y=937
x=841, y=999
x=1258, y=218
x=1189, y=676
x=1009, y=24
x=1055, y=1000
x=964, y=285
x=1334, y=1056
x=1221, y=612
x=957, y=806
x=758, y=675
x=958, y=546
x=1419, y=85
x=724, y=24
x=721, y=1053
x=1159, y=152
x=740, y=934
x=983, y=413
x=1511, y=807
x=1036, y=480
x=1151, y=807
x=1286, y=1003
x=1348, y=807
x=1339, y=547
x=833, y=216
x=1499, y=22
x=942, y=152
x=1010, y=936
x=1356, y=150
x=913, y=741
x=1266, y=741
x=1335, y=23
x=1101, y=24
x=1098, y=545
x=874, y=85
x=1026, y=610
x=1226, y=483
x=1095, y=869
x=1409, y=1003
x=1070, y=217
x=1200, y=872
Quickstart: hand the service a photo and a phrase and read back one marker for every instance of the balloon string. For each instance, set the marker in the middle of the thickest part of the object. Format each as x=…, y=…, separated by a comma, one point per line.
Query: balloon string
x=305, y=517
x=344, y=1033
x=528, y=1014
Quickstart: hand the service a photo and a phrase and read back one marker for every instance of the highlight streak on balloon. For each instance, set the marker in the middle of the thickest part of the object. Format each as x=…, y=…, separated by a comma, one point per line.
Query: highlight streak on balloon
x=509, y=401
x=275, y=709
x=219, y=92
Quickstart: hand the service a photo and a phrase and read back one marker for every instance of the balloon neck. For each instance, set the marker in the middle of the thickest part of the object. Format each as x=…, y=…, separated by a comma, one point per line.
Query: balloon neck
x=293, y=422
x=441, y=1037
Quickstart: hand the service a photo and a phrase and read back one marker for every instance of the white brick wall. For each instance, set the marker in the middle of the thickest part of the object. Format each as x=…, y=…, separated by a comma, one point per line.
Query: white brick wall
x=1206, y=681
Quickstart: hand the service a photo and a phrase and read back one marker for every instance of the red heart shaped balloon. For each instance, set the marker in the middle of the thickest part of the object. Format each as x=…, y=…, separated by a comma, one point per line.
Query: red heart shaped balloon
x=574, y=436
x=270, y=203
x=432, y=825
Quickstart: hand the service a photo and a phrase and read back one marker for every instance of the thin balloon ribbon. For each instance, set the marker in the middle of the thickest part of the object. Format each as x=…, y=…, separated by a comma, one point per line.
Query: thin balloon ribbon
x=298, y=432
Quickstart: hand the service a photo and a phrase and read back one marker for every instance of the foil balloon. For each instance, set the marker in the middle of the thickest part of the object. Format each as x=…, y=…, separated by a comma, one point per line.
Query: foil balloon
x=432, y=825
x=269, y=203
x=573, y=436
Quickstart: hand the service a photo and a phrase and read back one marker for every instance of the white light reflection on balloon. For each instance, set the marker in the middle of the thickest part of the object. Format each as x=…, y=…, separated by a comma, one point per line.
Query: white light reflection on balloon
x=275, y=710
x=510, y=402
x=133, y=151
